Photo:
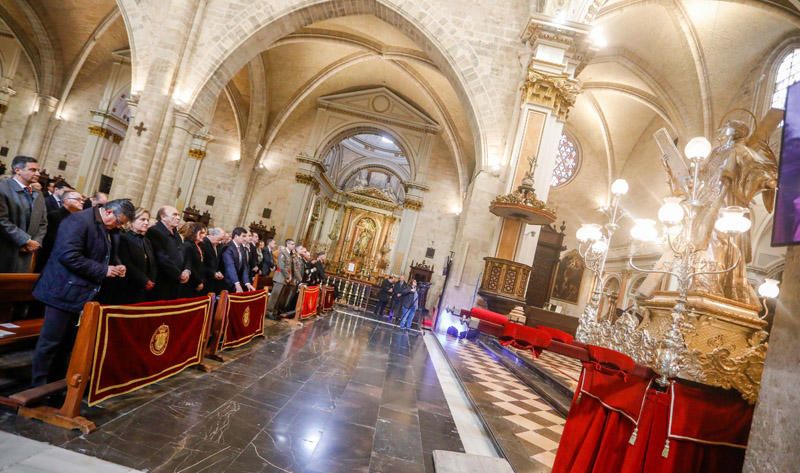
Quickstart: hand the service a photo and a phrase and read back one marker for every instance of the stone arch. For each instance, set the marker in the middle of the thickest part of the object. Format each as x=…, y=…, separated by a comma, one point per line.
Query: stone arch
x=262, y=27
x=364, y=127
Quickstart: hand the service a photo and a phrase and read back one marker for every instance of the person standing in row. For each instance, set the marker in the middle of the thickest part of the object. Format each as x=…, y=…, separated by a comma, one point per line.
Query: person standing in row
x=23, y=217
x=282, y=279
x=193, y=260
x=397, y=292
x=268, y=265
x=136, y=253
x=72, y=277
x=71, y=202
x=235, y=260
x=298, y=275
x=55, y=200
x=167, y=245
x=212, y=260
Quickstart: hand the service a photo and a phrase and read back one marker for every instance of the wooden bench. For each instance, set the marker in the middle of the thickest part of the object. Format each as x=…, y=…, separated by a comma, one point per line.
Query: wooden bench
x=16, y=289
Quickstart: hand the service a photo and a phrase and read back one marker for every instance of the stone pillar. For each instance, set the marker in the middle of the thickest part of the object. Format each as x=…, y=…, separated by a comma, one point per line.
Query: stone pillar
x=101, y=138
x=165, y=187
x=11, y=52
x=140, y=166
x=191, y=168
x=772, y=447
x=36, y=128
x=408, y=223
x=302, y=192
x=548, y=93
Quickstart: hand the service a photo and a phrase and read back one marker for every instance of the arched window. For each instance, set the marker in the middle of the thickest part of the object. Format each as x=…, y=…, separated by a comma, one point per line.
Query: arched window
x=788, y=73
x=567, y=162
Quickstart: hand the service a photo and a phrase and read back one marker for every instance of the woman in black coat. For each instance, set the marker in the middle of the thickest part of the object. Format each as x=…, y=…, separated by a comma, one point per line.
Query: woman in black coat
x=193, y=235
x=136, y=253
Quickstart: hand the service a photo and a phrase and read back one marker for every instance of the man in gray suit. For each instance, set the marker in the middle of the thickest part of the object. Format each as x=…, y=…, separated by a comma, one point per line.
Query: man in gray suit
x=283, y=276
x=23, y=217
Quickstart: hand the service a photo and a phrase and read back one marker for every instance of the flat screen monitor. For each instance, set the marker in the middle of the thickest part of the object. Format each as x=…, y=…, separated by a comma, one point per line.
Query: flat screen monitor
x=786, y=224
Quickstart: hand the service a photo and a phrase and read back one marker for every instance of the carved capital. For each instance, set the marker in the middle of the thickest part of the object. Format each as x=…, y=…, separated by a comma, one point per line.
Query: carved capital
x=334, y=205
x=555, y=91
x=307, y=179
x=197, y=153
x=413, y=204
x=95, y=130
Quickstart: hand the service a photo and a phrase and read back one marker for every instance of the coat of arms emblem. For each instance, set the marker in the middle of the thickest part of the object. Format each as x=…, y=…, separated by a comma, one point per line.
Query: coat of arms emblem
x=246, y=317
x=159, y=340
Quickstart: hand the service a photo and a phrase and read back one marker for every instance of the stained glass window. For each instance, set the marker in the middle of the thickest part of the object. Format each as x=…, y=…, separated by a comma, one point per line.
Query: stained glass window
x=567, y=162
x=788, y=74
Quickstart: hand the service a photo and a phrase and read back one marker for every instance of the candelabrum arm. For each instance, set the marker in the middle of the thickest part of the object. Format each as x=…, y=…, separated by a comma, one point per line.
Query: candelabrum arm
x=720, y=271
x=649, y=271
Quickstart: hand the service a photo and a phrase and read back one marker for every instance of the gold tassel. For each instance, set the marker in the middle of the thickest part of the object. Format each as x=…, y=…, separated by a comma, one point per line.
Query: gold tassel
x=665, y=452
x=635, y=433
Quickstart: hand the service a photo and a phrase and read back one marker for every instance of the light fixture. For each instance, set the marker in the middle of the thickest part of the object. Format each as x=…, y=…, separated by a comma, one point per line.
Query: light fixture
x=697, y=149
x=732, y=219
x=589, y=232
x=619, y=187
x=599, y=246
x=644, y=229
x=769, y=288
x=671, y=213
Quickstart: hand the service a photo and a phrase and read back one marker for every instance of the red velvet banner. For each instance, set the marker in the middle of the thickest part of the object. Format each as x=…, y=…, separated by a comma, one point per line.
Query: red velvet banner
x=141, y=344
x=245, y=317
x=309, y=300
x=328, y=298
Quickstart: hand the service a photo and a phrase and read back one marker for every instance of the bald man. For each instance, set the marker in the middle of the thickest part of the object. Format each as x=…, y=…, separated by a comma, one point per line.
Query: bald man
x=167, y=246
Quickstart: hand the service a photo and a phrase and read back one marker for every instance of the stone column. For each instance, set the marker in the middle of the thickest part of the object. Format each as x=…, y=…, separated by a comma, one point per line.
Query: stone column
x=772, y=447
x=302, y=192
x=11, y=52
x=165, y=187
x=36, y=128
x=100, y=138
x=408, y=223
x=191, y=168
x=140, y=166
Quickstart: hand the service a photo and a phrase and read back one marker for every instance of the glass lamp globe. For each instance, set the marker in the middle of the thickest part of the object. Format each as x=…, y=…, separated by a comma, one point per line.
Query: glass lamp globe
x=697, y=149
x=644, y=229
x=589, y=232
x=732, y=220
x=769, y=288
x=599, y=247
x=619, y=187
x=671, y=213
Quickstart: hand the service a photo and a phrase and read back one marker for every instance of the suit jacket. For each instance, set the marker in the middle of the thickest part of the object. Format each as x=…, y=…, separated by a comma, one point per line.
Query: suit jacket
x=252, y=258
x=136, y=253
x=212, y=258
x=383, y=294
x=235, y=263
x=409, y=298
x=283, y=272
x=54, y=219
x=268, y=264
x=20, y=221
x=169, y=260
x=51, y=203
x=397, y=291
x=78, y=264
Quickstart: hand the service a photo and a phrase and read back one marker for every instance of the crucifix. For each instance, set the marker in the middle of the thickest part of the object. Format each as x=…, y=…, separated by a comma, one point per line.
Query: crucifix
x=139, y=128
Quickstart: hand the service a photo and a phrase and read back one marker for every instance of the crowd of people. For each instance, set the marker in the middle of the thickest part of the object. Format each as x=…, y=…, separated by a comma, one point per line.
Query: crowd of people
x=110, y=251
x=400, y=297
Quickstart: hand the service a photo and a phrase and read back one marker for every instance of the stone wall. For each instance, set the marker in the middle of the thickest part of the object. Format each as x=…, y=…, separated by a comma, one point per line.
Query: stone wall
x=19, y=107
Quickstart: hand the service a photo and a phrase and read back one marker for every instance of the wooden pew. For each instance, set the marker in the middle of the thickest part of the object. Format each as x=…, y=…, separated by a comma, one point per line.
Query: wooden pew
x=16, y=289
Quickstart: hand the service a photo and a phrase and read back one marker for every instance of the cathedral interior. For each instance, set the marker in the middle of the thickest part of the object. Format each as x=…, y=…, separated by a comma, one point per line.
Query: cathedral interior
x=584, y=191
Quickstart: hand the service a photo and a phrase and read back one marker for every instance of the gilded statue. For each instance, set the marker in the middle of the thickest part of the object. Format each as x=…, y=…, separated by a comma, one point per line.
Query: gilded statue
x=740, y=167
x=365, y=233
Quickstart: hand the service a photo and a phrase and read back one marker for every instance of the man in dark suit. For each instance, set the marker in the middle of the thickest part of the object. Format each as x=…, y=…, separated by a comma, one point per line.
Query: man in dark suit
x=55, y=200
x=167, y=245
x=212, y=260
x=251, y=243
x=72, y=202
x=397, y=292
x=71, y=278
x=269, y=258
x=384, y=295
x=236, y=263
x=23, y=217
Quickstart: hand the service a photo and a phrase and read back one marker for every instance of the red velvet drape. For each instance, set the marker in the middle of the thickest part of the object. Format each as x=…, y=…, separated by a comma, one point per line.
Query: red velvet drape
x=619, y=423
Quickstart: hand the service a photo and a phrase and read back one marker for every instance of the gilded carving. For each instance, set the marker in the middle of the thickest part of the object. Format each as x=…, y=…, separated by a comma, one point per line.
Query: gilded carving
x=507, y=279
x=412, y=204
x=307, y=179
x=370, y=201
x=555, y=91
x=197, y=153
x=334, y=205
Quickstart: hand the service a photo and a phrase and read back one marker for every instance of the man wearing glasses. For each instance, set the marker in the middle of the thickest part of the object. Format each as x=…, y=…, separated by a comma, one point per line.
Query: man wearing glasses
x=72, y=277
x=71, y=202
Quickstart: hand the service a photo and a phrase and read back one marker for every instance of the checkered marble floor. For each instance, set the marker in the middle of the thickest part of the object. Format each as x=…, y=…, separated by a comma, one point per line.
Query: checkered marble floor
x=563, y=369
x=525, y=426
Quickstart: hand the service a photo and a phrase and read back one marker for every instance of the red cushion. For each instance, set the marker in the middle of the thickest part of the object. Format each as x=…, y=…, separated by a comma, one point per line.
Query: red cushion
x=558, y=335
x=489, y=316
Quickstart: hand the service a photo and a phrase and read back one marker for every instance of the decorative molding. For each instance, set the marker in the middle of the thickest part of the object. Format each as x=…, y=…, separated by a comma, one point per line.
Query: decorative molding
x=197, y=153
x=555, y=91
x=370, y=201
x=105, y=133
x=308, y=180
x=334, y=205
x=412, y=204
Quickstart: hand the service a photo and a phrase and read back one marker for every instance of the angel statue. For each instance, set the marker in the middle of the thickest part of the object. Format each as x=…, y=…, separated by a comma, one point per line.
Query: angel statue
x=740, y=167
